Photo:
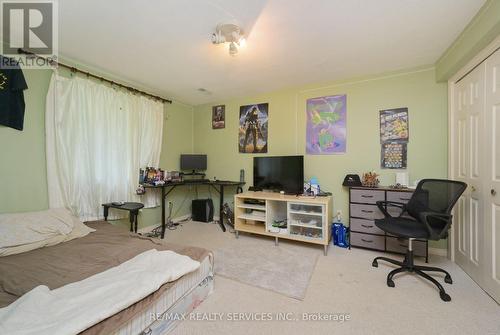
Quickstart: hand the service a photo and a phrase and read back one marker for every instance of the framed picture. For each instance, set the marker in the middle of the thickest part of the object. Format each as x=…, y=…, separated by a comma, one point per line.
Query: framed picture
x=393, y=155
x=394, y=125
x=253, y=130
x=326, y=130
x=219, y=117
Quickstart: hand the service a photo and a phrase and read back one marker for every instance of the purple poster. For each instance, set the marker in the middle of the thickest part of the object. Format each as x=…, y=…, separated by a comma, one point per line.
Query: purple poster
x=326, y=125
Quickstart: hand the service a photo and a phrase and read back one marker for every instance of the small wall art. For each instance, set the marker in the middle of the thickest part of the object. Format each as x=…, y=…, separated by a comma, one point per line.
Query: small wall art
x=219, y=117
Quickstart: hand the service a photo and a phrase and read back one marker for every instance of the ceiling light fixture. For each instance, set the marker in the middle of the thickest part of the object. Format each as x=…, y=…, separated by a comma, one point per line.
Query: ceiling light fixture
x=229, y=33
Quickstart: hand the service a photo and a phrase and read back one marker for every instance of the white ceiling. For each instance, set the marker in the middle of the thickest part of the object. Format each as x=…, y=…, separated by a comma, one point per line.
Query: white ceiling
x=164, y=46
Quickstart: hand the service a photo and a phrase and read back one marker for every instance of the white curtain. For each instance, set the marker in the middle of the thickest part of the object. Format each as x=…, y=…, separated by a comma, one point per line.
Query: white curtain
x=97, y=138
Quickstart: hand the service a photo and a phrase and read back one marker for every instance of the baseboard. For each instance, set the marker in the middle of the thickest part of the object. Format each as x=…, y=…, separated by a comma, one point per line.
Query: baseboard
x=438, y=252
x=148, y=229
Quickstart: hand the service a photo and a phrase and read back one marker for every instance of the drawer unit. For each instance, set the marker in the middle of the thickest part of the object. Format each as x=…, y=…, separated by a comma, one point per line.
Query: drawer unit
x=370, y=212
x=367, y=196
x=365, y=226
x=395, y=244
x=394, y=211
x=362, y=213
x=368, y=241
x=398, y=196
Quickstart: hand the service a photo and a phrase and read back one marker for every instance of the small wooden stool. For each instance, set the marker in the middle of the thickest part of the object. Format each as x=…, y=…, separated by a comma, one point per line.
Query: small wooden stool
x=132, y=207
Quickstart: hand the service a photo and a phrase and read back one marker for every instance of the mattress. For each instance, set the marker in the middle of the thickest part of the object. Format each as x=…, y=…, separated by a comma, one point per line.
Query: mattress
x=78, y=259
x=185, y=295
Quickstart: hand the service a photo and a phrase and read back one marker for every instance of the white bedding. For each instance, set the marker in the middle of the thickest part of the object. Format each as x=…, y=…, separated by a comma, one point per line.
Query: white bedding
x=75, y=307
x=22, y=232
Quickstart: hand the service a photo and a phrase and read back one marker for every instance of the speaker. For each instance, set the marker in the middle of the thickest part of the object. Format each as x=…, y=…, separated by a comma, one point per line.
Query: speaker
x=202, y=210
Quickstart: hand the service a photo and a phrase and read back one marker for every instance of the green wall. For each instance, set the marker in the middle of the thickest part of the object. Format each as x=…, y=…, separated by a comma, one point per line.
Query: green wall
x=481, y=31
x=22, y=153
x=23, y=173
x=417, y=90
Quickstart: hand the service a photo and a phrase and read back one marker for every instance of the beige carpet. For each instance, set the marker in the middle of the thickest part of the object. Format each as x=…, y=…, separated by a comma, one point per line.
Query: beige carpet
x=259, y=263
x=342, y=282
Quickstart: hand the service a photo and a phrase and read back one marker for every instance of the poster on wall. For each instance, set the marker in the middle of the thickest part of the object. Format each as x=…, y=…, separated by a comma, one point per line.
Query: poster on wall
x=394, y=155
x=253, y=130
x=219, y=117
x=394, y=125
x=326, y=125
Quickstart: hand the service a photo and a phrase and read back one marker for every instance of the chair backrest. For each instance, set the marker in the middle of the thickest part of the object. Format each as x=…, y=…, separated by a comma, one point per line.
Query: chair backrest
x=435, y=195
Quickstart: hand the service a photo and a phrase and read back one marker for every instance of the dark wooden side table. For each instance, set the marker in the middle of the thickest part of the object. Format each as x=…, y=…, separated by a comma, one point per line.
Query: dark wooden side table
x=132, y=207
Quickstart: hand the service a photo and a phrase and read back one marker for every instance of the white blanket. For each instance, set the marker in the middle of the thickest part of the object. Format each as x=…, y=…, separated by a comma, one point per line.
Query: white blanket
x=77, y=306
x=24, y=228
x=22, y=232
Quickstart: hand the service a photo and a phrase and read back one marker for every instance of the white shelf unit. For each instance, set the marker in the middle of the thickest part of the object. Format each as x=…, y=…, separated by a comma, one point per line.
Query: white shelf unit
x=252, y=217
x=308, y=218
x=249, y=206
x=276, y=211
x=305, y=226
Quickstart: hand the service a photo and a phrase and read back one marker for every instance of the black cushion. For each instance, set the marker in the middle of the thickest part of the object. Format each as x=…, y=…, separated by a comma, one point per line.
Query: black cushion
x=403, y=227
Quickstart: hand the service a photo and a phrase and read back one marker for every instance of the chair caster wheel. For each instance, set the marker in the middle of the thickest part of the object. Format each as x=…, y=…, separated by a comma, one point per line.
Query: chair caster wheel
x=390, y=283
x=445, y=297
x=375, y=264
x=448, y=280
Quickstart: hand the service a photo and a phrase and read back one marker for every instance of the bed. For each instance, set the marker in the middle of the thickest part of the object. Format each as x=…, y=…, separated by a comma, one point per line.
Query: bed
x=107, y=247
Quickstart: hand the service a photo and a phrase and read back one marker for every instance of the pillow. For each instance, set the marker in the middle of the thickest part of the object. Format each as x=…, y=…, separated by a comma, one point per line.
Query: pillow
x=21, y=232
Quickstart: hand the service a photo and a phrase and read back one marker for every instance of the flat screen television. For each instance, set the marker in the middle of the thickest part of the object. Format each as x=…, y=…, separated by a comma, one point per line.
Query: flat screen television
x=281, y=173
x=190, y=162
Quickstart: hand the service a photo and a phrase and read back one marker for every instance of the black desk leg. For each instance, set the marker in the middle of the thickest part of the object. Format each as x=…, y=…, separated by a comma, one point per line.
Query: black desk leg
x=163, y=212
x=136, y=214
x=131, y=218
x=221, y=206
x=106, y=210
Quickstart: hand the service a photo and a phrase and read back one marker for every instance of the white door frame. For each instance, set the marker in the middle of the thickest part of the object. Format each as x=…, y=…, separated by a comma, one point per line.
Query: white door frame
x=478, y=59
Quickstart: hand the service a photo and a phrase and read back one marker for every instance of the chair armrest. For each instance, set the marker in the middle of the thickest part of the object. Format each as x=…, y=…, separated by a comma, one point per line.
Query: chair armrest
x=445, y=218
x=382, y=205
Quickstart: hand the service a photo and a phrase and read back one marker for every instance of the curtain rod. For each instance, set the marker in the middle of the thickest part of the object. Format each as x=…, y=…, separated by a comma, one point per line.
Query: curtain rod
x=88, y=74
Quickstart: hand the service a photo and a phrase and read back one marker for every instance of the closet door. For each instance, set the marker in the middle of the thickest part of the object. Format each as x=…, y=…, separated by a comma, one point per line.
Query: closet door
x=468, y=167
x=492, y=178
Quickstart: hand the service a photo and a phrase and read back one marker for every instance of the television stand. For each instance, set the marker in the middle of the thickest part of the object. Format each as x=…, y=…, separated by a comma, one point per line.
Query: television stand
x=308, y=218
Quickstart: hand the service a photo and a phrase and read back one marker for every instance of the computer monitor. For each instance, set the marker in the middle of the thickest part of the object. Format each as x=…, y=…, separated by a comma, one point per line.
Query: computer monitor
x=192, y=162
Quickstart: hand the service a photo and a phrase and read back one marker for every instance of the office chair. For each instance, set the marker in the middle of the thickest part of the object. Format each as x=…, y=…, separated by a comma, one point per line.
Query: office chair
x=425, y=216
